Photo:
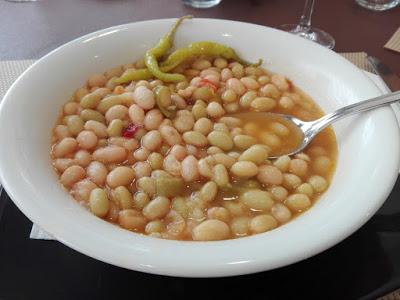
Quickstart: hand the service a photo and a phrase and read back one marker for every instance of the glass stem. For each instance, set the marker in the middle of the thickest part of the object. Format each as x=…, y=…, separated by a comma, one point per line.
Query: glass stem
x=305, y=19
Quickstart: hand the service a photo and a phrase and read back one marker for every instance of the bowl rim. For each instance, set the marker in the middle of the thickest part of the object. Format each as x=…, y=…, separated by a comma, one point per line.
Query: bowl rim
x=237, y=267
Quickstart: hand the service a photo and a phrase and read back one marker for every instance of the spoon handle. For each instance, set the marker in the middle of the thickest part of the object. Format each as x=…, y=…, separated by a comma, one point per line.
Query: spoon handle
x=328, y=119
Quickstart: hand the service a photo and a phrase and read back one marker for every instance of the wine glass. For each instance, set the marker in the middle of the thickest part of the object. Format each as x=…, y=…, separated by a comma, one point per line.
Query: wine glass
x=305, y=30
x=201, y=3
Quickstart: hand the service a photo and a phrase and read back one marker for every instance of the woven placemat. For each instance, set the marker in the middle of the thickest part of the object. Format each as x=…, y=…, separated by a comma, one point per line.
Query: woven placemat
x=10, y=70
x=392, y=296
x=394, y=42
x=359, y=59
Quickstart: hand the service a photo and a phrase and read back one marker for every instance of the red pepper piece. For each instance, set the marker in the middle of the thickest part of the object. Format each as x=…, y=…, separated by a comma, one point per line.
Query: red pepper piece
x=207, y=83
x=130, y=130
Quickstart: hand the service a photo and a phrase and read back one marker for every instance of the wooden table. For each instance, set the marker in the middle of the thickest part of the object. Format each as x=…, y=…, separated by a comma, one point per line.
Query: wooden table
x=32, y=29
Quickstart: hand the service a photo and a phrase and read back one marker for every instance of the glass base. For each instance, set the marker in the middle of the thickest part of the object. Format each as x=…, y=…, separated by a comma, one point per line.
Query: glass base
x=378, y=5
x=313, y=34
x=201, y=3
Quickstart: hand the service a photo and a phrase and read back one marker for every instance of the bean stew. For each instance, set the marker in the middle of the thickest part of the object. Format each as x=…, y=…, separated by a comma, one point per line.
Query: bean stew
x=168, y=157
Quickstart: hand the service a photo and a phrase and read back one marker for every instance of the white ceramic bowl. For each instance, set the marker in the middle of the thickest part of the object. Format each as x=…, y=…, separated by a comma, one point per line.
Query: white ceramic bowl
x=366, y=170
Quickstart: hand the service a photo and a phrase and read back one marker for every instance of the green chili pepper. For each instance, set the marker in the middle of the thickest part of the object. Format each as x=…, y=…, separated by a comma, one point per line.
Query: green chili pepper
x=153, y=69
x=163, y=95
x=202, y=48
x=151, y=56
x=133, y=75
x=161, y=49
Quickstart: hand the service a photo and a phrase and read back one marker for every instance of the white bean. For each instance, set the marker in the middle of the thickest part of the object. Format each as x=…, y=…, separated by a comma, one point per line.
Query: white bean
x=291, y=181
x=279, y=193
x=199, y=111
x=236, y=85
x=220, y=63
x=270, y=90
x=257, y=199
x=270, y=139
x=298, y=202
x=147, y=185
x=225, y=159
x=98, y=128
x=117, y=112
x=189, y=170
x=243, y=141
x=120, y=176
x=152, y=140
x=154, y=226
x=263, y=104
x=178, y=101
x=195, y=138
x=220, y=139
x=214, y=150
x=131, y=219
x=270, y=175
x=281, y=213
x=256, y=154
x=282, y=163
x=144, y=97
x=279, y=129
x=281, y=82
x=306, y=189
x=298, y=167
x=244, y=169
x=157, y=208
x=97, y=80
x=136, y=114
x=203, y=125
x=97, y=172
x=61, y=131
x=219, y=213
x=172, y=165
x=226, y=74
x=220, y=175
x=170, y=135
x=99, y=203
x=141, y=154
x=83, y=158
x=184, y=121
x=205, y=169
x=72, y=175
x=110, y=154
x=321, y=165
x=221, y=127
x=153, y=119
x=286, y=102
x=71, y=108
x=65, y=146
x=318, y=183
x=178, y=151
x=87, y=139
x=61, y=164
x=250, y=83
x=215, y=110
x=209, y=191
x=123, y=197
x=262, y=223
x=142, y=169
x=211, y=230
x=240, y=226
x=82, y=189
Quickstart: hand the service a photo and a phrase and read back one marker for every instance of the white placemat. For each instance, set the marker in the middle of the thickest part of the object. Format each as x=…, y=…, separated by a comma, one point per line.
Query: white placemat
x=10, y=70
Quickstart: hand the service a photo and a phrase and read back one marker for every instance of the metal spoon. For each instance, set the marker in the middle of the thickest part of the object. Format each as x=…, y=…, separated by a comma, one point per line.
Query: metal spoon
x=308, y=130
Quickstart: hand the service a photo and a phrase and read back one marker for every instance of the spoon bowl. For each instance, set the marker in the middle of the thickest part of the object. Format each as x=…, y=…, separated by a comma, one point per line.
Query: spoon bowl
x=306, y=131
